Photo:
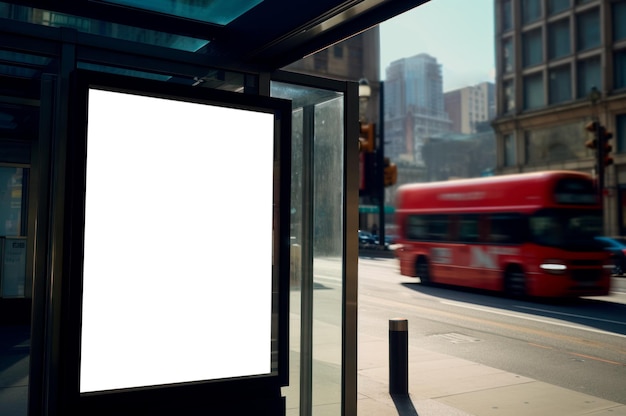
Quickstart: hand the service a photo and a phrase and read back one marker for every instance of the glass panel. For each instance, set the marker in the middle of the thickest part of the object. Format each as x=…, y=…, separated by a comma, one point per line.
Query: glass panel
x=12, y=210
x=509, y=96
x=560, y=84
x=509, y=150
x=556, y=6
x=531, y=11
x=98, y=27
x=558, y=39
x=620, y=133
x=556, y=144
x=588, y=33
x=507, y=16
x=619, y=17
x=15, y=288
x=532, y=49
x=326, y=245
x=589, y=76
x=220, y=12
x=619, y=59
x=508, y=56
x=533, y=91
x=327, y=249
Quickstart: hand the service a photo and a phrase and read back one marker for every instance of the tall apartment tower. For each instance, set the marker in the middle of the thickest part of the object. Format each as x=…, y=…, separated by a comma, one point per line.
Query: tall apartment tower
x=414, y=106
x=470, y=107
x=559, y=65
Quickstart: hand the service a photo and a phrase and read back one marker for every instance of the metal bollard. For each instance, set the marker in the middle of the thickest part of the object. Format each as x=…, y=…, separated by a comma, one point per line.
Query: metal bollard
x=398, y=356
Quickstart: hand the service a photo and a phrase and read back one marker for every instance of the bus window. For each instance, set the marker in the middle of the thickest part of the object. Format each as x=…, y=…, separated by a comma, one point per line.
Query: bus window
x=506, y=228
x=416, y=228
x=468, y=229
x=569, y=229
x=438, y=227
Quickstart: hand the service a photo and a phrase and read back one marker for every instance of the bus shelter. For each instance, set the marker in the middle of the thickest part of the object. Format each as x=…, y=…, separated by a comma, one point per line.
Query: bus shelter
x=86, y=76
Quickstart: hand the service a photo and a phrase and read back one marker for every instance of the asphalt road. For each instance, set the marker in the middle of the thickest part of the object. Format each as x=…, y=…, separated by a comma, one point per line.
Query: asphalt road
x=575, y=344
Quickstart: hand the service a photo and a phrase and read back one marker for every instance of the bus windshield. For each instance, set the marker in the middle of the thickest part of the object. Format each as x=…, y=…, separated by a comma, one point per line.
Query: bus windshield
x=564, y=228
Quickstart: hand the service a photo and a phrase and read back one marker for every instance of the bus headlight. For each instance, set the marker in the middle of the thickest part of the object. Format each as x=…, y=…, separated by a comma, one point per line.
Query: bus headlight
x=553, y=266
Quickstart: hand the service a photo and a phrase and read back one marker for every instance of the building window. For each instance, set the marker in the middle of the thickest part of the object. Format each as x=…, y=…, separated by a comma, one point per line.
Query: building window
x=532, y=50
x=560, y=84
x=338, y=51
x=589, y=76
x=533, y=91
x=588, y=25
x=531, y=11
x=507, y=16
x=620, y=133
x=555, y=144
x=320, y=60
x=509, y=97
x=558, y=39
x=509, y=150
x=619, y=17
x=557, y=6
x=619, y=61
x=507, y=55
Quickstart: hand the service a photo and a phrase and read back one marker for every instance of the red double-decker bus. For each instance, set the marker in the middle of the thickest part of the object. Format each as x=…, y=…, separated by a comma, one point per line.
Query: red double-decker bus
x=525, y=234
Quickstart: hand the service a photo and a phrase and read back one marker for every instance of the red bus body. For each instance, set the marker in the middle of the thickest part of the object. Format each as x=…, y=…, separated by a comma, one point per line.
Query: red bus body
x=527, y=234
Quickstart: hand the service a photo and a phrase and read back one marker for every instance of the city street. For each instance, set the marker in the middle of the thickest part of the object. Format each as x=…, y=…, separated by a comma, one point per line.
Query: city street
x=579, y=345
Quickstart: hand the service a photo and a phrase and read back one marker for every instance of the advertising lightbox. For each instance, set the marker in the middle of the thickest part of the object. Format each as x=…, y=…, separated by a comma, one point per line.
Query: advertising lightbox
x=184, y=237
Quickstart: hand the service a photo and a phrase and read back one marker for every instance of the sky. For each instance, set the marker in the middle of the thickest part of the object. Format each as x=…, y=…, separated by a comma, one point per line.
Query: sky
x=458, y=33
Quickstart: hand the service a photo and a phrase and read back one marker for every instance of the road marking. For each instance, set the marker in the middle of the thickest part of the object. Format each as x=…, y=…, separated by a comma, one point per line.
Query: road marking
x=590, y=357
x=530, y=318
x=456, y=338
x=573, y=315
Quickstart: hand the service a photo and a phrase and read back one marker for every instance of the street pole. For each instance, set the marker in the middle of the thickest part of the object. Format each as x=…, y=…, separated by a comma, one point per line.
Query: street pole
x=600, y=161
x=594, y=96
x=381, y=166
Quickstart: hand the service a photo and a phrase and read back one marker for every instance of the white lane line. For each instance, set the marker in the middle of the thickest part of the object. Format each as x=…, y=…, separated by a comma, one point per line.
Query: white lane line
x=530, y=318
x=572, y=315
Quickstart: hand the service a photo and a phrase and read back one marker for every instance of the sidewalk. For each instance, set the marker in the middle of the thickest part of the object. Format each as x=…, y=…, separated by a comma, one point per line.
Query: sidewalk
x=442, y=385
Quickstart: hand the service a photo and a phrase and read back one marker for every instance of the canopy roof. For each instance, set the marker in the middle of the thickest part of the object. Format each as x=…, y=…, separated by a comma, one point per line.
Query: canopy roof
x=263, y=34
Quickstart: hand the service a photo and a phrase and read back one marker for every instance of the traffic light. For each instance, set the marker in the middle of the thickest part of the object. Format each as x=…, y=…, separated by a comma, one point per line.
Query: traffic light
x=366, y=138
x=592, y=127
x=390, y=173
x=604, y=137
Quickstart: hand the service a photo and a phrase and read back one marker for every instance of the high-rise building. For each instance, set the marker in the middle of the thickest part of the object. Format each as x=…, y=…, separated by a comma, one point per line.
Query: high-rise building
x=470, y=107
x=561, y=64
x=414, y=106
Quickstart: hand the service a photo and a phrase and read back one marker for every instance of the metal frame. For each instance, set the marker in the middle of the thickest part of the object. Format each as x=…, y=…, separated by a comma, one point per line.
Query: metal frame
x=349, y=231
x=67, y=47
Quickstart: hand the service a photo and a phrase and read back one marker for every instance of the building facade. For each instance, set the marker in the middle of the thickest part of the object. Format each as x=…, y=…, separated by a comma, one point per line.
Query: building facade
x=414, y=106
x=559, y=65
x=468, y=107
x=351, y=59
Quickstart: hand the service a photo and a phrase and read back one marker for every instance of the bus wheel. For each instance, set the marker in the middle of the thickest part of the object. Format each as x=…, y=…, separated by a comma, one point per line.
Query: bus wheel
x=515, y=282
x=422, y=271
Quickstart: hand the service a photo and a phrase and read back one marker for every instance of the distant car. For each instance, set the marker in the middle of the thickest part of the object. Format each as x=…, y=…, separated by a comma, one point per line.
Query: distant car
x=389, y=239
x=617, y=247
x=366, y=239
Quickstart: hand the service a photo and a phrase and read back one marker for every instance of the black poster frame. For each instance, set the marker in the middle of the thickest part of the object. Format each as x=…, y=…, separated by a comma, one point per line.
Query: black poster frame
x=258, y=394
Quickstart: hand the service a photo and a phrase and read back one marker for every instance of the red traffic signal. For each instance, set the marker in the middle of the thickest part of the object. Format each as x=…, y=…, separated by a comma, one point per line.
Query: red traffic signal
x=604, y=137
x=390, y=173
x=366, y=138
